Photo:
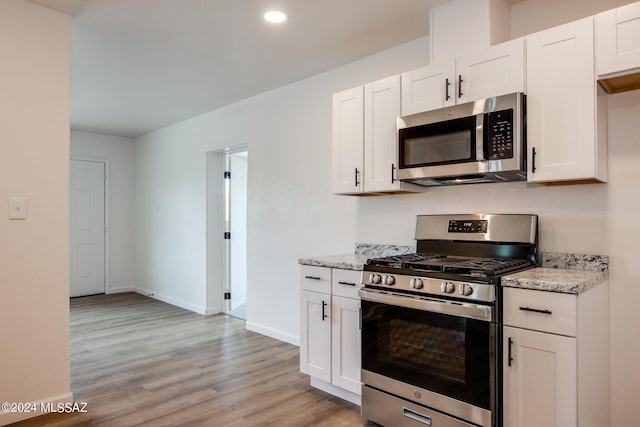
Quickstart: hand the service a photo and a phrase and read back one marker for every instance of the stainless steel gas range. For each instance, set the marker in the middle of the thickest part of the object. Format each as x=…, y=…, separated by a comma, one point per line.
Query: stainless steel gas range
x=431, y=321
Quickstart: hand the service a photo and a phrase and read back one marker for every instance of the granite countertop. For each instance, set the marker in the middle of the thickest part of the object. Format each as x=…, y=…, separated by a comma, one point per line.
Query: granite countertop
x=563, y=273
x=344, y=261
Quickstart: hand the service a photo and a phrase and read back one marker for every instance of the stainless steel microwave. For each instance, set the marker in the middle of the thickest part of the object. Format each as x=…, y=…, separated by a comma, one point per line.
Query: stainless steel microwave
x=475, y=142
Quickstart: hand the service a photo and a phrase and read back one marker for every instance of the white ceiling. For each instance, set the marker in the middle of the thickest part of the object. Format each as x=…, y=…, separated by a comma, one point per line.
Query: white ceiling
x=140, y=65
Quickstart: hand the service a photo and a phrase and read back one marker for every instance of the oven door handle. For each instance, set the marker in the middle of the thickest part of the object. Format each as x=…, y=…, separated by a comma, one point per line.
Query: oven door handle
x=453, y=308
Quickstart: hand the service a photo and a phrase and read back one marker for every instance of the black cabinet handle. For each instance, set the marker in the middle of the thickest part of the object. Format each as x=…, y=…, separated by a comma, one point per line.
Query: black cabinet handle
x=510, y=359
x=393, y=171
x=312, y=277
x=324, y=315
x=533, y=159
x=535, y=310
x=446, y=89
x=346, y=283
x=357, y=173
x=460, y=85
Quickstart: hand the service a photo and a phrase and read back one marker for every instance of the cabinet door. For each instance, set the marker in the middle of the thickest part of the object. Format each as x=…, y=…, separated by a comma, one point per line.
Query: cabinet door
x=315, y=335
x=346, y=344
x=540, y=382
x=381, y=109
x=561, y=102
x=618, y=39
x=428, y=88
x=495, y=71
x=348, y=141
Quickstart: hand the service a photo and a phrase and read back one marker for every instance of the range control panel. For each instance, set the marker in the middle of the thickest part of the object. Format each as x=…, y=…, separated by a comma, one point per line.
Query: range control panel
x=499, y=134
x=469, y=226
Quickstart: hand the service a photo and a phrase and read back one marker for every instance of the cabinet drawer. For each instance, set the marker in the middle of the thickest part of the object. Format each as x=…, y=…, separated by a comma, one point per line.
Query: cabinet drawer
x=540, y=311
x=346, y=283
x=315, y=279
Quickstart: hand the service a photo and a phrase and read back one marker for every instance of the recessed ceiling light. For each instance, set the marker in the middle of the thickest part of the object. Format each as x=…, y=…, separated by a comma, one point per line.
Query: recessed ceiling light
x=275, y=16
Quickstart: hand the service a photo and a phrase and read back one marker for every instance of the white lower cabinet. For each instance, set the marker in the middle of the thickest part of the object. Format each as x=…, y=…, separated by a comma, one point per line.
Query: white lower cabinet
x=330, y=330
x=541, y=379
x=555, y=358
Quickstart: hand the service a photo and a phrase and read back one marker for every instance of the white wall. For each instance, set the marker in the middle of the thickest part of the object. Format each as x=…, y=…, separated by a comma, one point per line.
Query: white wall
x=119, y=154
x=34, y=261
x=292, y=212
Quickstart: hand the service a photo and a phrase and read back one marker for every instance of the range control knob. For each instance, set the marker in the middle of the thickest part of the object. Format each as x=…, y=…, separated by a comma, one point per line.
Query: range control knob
x=447, y=287
x=416, y=283
x=375, y=279
x=464, y=289
x=389, y=280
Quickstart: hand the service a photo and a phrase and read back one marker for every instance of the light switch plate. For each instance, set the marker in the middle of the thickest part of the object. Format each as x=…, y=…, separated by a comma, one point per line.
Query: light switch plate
x=17, y=207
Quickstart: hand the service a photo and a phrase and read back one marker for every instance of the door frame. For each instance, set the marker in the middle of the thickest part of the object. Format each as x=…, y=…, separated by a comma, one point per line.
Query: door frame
x=217, y=257
x=107, y=214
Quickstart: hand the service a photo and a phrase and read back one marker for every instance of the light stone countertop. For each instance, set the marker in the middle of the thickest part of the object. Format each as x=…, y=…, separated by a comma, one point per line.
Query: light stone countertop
x=563, y=273
x=344, y=261
x=561, y=280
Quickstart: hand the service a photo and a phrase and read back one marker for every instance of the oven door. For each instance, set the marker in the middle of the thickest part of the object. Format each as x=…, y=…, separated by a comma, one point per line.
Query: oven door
x=437, y=353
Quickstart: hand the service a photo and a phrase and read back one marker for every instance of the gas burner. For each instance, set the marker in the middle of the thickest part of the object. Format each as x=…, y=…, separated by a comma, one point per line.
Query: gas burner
x=485, y=267
x=400, y=261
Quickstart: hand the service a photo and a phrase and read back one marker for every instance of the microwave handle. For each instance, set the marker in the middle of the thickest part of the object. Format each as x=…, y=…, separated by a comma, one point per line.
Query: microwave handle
x=480, y=132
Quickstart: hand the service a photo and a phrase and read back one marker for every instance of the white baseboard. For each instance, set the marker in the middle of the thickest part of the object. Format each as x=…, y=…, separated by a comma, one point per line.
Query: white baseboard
x=120, y=290
x=171, y=300
x=273, y=333
x=212, y=310
x=13, y=417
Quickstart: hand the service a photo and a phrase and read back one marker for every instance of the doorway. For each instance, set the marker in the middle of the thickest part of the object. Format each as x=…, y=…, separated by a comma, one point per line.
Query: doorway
x=87, y=272
x=235, y=194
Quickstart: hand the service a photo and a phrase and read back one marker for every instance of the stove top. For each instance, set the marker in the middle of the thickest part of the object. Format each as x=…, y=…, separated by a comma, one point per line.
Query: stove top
x=421, y=263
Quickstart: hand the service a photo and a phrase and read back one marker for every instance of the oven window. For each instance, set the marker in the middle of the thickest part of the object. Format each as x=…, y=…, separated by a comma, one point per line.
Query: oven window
x=432, y=349
x=452, y=141
x=445, y=354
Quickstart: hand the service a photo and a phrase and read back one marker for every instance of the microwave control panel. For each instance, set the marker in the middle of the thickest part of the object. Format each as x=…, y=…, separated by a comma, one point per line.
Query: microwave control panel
x=499, y=135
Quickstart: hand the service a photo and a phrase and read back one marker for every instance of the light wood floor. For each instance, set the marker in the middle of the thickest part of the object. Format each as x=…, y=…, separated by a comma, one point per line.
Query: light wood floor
x=138, y=361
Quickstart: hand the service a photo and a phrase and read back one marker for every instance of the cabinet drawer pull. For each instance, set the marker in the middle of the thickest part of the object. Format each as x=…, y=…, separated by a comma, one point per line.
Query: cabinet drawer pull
x=535, y=310
x=312, y=277
x=346, y=283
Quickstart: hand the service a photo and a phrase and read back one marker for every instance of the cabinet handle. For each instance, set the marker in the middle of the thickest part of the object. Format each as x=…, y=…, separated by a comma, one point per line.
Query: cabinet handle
x=535, y=310
x=460, y=85
x=393, y=171
x=312, y=277
x=510, y=359
x=346, y=283
x=324, y=306
x=533, y=159
x=356, y=176
x=446, y=89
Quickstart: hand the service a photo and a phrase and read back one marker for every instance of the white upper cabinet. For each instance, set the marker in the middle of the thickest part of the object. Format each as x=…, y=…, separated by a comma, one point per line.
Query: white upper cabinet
x=494, y=71
x=618, y=48
x=364, y=139
x=348, y=134
x=459, y=27
x=381, y=108
x=566, y=121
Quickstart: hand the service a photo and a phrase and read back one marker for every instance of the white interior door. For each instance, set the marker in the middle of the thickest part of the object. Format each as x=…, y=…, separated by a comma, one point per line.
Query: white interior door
x=87, y=228
x=236, y=195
